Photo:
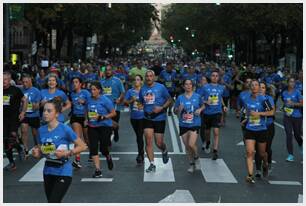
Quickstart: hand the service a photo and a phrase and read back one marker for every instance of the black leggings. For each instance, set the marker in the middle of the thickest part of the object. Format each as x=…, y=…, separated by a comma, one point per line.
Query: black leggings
x=56, y=187
x=202, y=129
x=138, y=129
x=116, y=119
x=270, y=136
x=295, y=125
x=98, y=135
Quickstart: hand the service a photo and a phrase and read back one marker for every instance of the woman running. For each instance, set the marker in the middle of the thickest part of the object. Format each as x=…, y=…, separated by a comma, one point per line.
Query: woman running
x=293, y=117
x=54, y=140
x=79, y=98
x=256, y=129
x=137, y=115
x=100, y=111
x=188, y=107
x=270, y=131
x=51, y=92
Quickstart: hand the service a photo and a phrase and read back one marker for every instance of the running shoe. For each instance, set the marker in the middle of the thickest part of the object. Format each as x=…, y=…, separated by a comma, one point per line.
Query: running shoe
x=110, y=163
x=250, y=179
x=215, y=155
x=97, y=174
x=197, y=163
x=165, y=157
x=139, y=159
x=11, y=167
x=191, y=168
x=290, y=158
x=207, y=148
x=258, y=174
x=151, y=168
x=76, y=164
x=203, y=146
x=265, y=171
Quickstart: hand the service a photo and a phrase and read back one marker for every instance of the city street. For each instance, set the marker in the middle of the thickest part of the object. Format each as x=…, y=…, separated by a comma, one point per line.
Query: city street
x=218, y=181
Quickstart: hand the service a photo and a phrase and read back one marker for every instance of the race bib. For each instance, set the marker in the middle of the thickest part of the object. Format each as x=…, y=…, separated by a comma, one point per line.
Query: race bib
x=288, y=111
x=48, y=148
x=6, y=100
x=254, y=120
x=136, y=106
x=149, y=98
x=187, y=118
x=214, y=100
x=92, y=115
x=168, y=84
x=107, y=90
x=30, y=107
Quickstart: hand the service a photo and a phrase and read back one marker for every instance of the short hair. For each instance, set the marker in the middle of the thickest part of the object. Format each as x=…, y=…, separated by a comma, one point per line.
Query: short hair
x=97, y=84
x=185, y=80
x=79, y=78
x=150, y=71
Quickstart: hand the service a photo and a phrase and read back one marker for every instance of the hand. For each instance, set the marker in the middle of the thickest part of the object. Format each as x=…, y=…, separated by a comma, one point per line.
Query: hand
x=198, y=112
x=61, y=153
x=21, y=116
x=133, y=99
x=36, y=152
x=290, y=103
x=225, y=109
x=255, y=114
x=157, y=109
x=180, y=108
x=118, y=101
x=242, y=123
x=140, y=106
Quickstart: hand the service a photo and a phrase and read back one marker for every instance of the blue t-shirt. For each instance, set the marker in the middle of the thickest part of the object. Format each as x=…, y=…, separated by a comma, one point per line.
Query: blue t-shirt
x=193, y=77
x=122, y=76
x=228, y=80
x=112, y=88
x=269, y=119
x=33, y=96
x=299, y=86
x=89, y=77
x=62, y=135
x=157, y=95
x=188, y=118
x=79, y=109
x=242, y=97
x=101, y=106
x=169, y=78
x=214, y=93
x=40, y=82
x=256, y=105
x=295, y=96
x=136, y=112
x=46, y=96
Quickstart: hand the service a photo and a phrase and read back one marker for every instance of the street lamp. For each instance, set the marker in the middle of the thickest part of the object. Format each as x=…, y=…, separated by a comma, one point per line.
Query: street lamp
x=187, y=28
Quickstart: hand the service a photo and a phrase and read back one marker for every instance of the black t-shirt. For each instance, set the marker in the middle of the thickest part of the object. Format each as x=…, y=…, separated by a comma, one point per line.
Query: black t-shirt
x=11, y=102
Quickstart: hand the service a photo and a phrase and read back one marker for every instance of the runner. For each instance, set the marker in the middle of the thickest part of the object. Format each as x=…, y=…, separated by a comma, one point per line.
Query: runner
x=100, y=112
x=256, y=129
x=114, y=90
x=156, y=100
x=212, y=94
x=13, y=98
x=32, y=117
x=293, y=117
x=54, y=140
x=137, y=115
x=79, y=98
x=53, y=91
x=188, y=107
x=269, y=135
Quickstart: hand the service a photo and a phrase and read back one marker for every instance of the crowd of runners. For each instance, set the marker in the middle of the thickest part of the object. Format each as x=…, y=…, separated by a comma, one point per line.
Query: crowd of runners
x=92, y=96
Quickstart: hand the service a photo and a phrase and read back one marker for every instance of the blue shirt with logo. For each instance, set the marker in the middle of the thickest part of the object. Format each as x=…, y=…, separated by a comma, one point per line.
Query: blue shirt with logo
x=136, y=112
x=33, y=96
x=294, y=96
x=100, y=106
x=79, y=109
x=168, y=78
x=188, y=118
x=61, y=135
x=46, y=96
x=255, y=123
x=214, y=93
x=157, y=95
x=112, y=88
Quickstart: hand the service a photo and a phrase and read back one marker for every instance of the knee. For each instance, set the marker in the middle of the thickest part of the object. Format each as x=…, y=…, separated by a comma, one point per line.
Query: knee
x=250, y=154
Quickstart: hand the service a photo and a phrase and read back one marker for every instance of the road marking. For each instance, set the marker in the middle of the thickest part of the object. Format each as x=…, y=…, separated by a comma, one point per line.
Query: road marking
x=284, y=183
x=179, y=196
x=6, y=162
x=216, y=171
x=163, y=173
x=135, y=153
x=113, y=158
x=240, y=143
x=279, y=125
x=300, y=198
x=96, y=179
x=177, y=127
x=173, y=136
x=35, y=174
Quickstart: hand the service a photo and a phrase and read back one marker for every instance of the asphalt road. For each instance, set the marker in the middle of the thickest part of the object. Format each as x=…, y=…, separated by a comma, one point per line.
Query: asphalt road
x=217, y=181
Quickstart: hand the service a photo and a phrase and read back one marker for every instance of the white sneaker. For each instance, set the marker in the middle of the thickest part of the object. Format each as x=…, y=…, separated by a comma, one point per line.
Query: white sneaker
x=197, y=164
x=207, y=150
x=191, y=168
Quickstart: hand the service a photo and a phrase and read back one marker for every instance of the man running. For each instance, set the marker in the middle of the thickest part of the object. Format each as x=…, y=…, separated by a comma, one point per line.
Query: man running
x=156, y=100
